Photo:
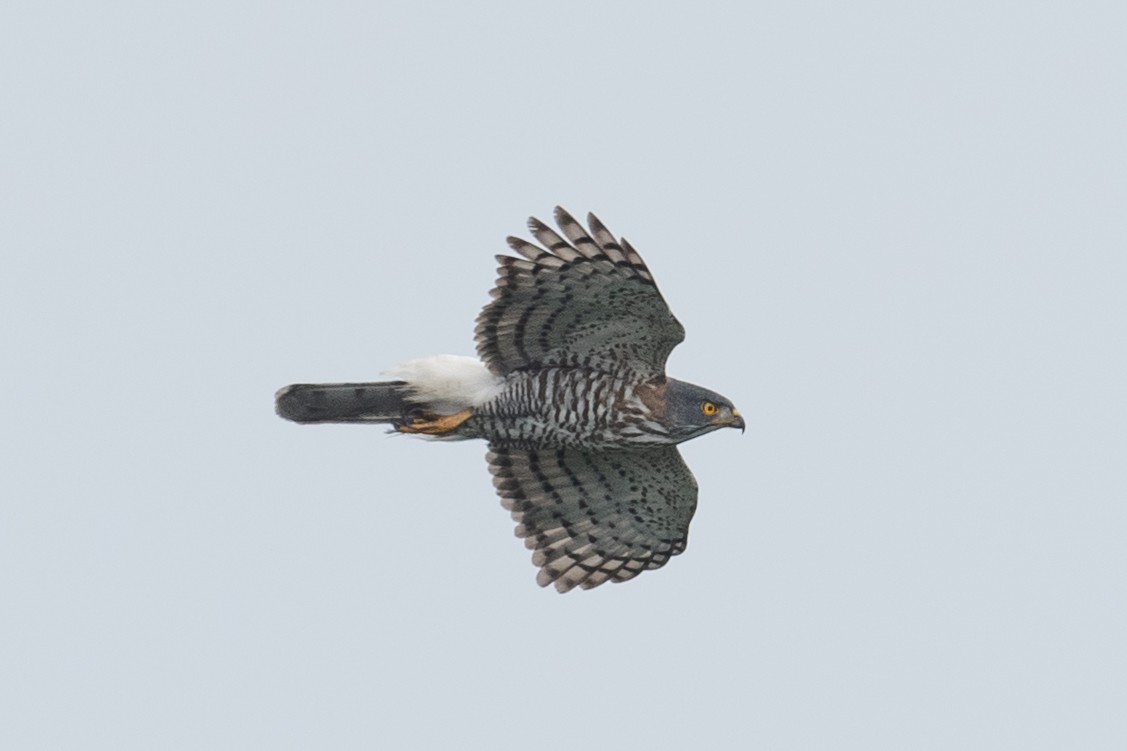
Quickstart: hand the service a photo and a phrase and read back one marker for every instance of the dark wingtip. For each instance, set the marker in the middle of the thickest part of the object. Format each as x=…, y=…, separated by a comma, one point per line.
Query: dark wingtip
x=563, y=217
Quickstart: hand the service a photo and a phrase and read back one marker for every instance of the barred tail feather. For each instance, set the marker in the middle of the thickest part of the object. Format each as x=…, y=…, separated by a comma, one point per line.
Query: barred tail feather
x=438, y=385
x=343, y=402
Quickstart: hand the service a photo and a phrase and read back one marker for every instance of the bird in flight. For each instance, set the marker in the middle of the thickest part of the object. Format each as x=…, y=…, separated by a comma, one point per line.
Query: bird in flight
x=571, y=395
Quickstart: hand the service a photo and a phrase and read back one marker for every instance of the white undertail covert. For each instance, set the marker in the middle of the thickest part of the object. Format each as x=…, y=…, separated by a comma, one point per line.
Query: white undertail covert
x=448, y=383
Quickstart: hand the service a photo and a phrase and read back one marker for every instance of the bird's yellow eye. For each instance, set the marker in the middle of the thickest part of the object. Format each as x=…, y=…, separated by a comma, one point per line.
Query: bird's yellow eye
x=708, y=408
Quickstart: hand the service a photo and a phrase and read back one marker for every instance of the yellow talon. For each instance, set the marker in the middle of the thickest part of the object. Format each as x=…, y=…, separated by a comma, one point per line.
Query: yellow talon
x=430, y=424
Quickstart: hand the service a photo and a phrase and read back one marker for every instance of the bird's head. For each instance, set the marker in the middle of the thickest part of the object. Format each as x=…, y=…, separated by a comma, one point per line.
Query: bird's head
x=691, y=411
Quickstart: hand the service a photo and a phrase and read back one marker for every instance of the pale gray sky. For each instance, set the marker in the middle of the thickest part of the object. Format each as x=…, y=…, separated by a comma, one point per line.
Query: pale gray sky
x=895, y=233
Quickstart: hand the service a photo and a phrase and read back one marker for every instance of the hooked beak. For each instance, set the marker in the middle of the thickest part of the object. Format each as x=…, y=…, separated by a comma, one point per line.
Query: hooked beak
x=735, y=420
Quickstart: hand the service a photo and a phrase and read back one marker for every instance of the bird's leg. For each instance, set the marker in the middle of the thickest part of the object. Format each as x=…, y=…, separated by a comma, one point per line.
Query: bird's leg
x=429, y=423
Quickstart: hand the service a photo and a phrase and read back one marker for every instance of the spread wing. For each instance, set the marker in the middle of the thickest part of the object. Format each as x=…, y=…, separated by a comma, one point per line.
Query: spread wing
x=585, y=301
x=596, y=517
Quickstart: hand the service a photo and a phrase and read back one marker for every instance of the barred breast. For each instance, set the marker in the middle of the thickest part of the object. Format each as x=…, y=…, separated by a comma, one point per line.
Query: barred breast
x=568, y=407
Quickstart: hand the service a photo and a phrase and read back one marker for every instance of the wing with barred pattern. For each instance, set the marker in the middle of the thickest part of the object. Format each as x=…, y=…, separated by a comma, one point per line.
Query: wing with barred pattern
x=596, y=517
x=585, y=301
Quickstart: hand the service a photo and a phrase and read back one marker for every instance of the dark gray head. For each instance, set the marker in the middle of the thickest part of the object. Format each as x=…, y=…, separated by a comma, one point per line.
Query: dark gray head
x=691, y=411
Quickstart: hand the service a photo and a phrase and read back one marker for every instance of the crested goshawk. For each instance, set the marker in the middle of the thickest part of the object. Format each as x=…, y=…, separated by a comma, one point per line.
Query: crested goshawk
x=570, y=392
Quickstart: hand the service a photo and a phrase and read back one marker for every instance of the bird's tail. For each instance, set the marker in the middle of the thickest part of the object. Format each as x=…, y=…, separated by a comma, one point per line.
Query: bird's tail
x=433, y=397
x=345, y=402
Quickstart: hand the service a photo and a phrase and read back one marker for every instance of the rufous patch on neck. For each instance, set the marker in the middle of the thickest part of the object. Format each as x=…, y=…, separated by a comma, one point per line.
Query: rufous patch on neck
x=652, y=394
